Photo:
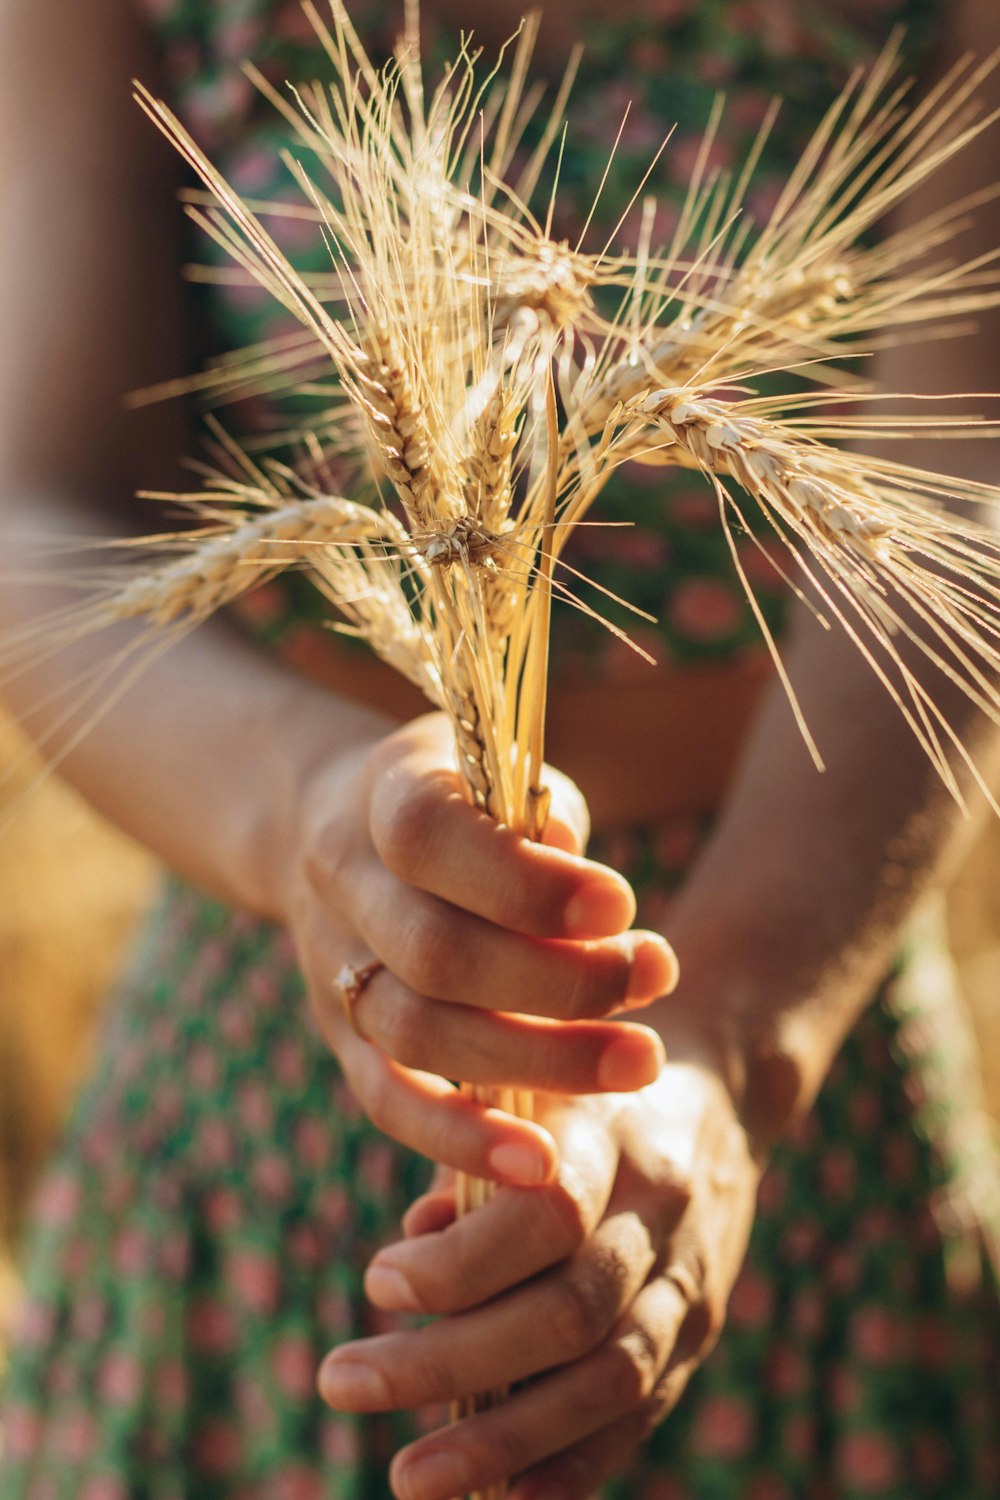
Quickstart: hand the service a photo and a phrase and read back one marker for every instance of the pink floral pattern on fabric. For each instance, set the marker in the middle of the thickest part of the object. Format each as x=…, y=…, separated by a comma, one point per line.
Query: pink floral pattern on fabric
x=187, y=1324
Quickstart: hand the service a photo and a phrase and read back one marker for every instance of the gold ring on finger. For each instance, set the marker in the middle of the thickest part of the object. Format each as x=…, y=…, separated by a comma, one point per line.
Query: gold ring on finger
x=351, y=983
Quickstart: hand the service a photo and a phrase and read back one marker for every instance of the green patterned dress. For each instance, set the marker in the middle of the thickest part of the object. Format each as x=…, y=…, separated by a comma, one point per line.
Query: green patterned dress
x=200, y=1240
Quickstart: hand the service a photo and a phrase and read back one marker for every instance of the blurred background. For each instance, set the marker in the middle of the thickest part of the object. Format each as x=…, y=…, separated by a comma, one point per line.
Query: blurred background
x=71, y=893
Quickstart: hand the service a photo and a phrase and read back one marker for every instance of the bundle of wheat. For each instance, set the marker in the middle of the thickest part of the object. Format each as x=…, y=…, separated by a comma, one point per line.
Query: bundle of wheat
x=476, y=377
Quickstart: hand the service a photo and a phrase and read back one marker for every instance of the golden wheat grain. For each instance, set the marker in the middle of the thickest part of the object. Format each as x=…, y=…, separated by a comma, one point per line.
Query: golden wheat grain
x=493, y=440
x=218, y=571
x=402, y=437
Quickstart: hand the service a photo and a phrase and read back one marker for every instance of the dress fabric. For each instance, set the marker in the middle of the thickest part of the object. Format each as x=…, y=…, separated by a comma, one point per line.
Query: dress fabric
x=200, y=1240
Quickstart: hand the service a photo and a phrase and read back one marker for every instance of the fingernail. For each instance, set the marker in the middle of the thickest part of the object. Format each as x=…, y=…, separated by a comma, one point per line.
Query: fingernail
x=653, y=970
x=522, y=1166
x=598, y=909
x=350, y=1384
x=389, y=1288
x=629, y=1063
x=434, y=1476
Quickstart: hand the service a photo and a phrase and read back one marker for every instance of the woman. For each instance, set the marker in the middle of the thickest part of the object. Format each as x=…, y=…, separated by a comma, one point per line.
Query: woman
x=202, y=1239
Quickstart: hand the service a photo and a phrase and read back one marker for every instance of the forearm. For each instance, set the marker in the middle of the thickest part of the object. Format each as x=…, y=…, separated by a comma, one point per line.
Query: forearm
x=204, y=756
x=795, y=909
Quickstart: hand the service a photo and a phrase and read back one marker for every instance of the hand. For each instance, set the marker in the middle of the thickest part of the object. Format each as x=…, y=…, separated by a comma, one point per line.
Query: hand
x=596, y=1296
x=470, y=921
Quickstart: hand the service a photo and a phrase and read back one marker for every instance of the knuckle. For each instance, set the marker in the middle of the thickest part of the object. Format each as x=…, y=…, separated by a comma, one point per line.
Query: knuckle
x=633, y=1361
x=433, y=1377
x=676, y=1192
x=506, y=1451
x=441, y=1138
x=629, y=1251
x=405, y=820
x=425, y=945
x=681, y=1190
x=403, y=1031
x=315, y=868
x=705, y=1322
x=561, y=1217
x=660, y=1395
x=522, y=903
x=599, y=985
x=704, y=1319
x=326, y=857
x=665, y=1395
x=611, y=1264
x=452, y=1279
x=579, y=1311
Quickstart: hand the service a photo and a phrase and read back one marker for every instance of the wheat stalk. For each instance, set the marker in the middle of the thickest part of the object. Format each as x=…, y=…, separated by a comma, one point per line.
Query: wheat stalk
x=487, y=394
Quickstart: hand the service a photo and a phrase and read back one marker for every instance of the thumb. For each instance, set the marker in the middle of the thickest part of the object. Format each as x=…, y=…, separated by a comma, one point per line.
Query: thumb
x=568, y=824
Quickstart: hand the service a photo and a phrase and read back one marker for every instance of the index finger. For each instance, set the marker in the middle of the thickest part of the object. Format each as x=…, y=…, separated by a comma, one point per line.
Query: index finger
x=428, y=835
x=457, y=1267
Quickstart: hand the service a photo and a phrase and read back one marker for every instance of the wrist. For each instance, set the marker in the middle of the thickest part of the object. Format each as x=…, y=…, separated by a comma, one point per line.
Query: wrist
x=762, y=1070
x=752, y=1009
x=309, y=757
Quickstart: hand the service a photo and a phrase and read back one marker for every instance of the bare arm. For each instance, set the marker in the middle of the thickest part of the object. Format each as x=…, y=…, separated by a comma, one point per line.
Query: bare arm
x=93, y=308
x=793, y=913
x=274, y=794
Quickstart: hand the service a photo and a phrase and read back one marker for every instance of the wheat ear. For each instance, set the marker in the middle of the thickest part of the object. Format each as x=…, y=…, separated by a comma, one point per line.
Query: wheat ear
x=219, y=570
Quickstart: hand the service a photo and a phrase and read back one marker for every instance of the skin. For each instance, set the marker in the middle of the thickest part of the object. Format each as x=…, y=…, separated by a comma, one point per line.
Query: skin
x=627, y=1204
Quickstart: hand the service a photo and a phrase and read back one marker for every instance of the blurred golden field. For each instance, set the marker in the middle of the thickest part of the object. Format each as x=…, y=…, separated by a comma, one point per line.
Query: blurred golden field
x=71, y=890
x=974, y=922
